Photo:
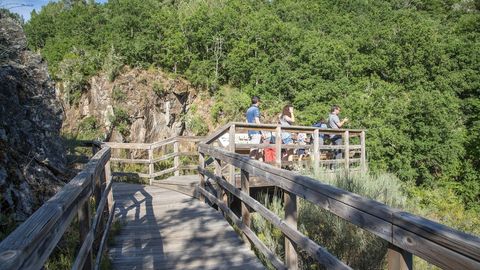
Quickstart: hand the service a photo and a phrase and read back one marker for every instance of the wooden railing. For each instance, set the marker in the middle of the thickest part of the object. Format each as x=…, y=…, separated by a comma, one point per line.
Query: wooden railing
x=352, y=153
x=179, y=148
x=30, y=245
x=406, y=234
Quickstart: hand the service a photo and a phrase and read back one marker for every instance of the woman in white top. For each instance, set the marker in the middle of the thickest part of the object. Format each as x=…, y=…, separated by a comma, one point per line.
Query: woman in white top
x=286, y=118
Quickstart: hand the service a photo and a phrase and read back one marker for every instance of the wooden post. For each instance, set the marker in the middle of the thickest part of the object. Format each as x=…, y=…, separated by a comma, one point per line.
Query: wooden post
x=98, y=193
x=363, y=159
x=245, y=184
x=151, y=167
x=94, y=149
x=346, y=142
x=278, y=146
x=399, y=259
x=291, y=217
x=231, y=148
x=176, y=159
x=201, y=160
x=218, y=172
x=97, y=189
x=316, y=152
x=108, y=179
x=84, y=228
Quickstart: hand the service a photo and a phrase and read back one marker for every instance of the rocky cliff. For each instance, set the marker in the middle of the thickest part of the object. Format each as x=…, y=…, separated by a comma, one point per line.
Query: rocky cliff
x=138, y=106
x=32, y=157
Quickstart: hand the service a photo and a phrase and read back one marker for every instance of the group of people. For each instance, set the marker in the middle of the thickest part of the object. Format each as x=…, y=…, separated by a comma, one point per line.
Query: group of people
x=287, y=118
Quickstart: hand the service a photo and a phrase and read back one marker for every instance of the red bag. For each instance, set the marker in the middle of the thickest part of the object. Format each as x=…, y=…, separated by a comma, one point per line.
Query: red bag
x=269, y=154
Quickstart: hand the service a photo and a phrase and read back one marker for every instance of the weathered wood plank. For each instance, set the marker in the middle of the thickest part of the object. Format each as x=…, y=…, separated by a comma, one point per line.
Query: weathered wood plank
x=176, y=159
x=271, y=127
x=130, y=160
x=291, y=217
x=161, y=234
x=133, y=146
x=461, y=242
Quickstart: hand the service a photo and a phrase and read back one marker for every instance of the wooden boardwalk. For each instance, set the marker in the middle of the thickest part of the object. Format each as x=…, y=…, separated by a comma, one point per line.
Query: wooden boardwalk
x=165, y=229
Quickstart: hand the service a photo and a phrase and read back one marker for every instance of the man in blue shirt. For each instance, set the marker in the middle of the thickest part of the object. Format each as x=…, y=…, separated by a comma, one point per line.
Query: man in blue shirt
x=253, y=117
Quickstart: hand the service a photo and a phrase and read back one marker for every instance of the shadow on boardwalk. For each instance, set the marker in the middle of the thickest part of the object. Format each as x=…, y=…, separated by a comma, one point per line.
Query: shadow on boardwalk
x=164, y=229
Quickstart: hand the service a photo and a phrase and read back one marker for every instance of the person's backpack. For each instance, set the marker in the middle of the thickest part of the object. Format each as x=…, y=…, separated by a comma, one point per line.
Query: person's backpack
x=321, y=125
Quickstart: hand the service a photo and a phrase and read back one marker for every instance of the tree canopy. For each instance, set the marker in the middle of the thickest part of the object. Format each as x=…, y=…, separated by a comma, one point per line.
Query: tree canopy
x=407, y=71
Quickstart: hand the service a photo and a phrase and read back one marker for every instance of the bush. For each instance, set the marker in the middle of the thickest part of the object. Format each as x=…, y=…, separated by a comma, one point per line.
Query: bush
x=74, y=71
x=230, y=105
x=354, y=246
x=197, y=125
x=121, y=121
x=270, y=235
x=113, y=64
x=118, y=94
x=158, y=89
x=89, y=129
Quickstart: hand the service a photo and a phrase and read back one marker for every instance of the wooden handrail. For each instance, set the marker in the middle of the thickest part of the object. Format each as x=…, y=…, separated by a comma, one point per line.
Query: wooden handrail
x=436, y=243
x=151, y=160
x=30, y=245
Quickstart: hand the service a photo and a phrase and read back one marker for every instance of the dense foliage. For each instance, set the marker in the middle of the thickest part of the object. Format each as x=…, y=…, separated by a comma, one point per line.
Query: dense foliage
x=408, y=71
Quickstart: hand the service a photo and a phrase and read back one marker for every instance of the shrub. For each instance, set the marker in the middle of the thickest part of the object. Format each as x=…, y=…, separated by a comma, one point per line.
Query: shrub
x=89, y=129
x=158, y=89
x=118, y=94
x=121, y=121
x=113, y=64
x=230, y=105
x=75, y=70
x=197, y=125
x=266, y=232
x=354, y=246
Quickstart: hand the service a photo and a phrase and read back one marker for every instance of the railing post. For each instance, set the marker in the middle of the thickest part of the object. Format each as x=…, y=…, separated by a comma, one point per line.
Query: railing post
x=245, y=185
x=94, y=149
x=291, y=217
x=201, y=160
x=218, y=172
x=347, y=150
x=231, y=148
x=278, y=146
x=108, y=179
x=316, y=152
x=84, y=227
x=176, y=159
x=98, y=192
x=399, y=259
x=151, y=167
x=363, y=159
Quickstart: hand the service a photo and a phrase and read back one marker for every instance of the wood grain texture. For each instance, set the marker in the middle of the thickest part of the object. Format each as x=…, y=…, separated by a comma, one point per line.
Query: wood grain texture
x=168, y=230
x=29, y=246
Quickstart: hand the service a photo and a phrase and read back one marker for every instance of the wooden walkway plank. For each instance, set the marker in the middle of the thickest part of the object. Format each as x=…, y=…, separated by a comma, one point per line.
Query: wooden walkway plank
x=165, y=229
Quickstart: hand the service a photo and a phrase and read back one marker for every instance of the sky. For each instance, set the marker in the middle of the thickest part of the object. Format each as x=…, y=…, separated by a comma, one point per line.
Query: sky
x=24, y=7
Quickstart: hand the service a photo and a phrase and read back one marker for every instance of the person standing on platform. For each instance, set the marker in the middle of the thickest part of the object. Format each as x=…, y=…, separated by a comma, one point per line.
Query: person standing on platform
x=335, y=123
x=253, y=117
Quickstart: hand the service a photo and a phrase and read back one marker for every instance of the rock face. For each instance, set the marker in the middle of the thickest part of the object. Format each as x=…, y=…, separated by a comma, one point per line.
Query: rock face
x=138, y=106
x=32, y=157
